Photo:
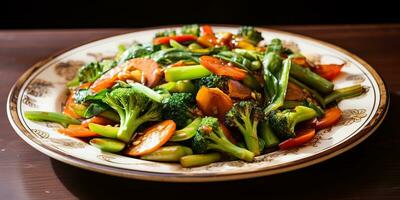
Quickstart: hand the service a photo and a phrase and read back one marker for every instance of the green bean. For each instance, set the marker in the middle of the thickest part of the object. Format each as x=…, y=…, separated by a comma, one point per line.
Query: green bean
x=51, y=117
x=311, y=79
x=343, y=93
x=106, y=144
x=168, y=154
x=186, y=73
x=199, y=159
x=313, y=92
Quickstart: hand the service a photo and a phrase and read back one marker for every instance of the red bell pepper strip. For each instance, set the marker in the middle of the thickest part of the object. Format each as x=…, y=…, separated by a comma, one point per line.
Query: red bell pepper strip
x=178, y=38
x=328, y=71
x=207, y=30
x=303, y=136
x=331, y=117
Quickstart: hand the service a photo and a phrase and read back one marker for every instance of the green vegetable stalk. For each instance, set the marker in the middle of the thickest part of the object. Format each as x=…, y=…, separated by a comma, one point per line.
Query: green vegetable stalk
x=310, y=78
x=51, y=117
x=282, y=80
x=186, y=73
x=106, y=144
x=343, y=93
x=186, y=133
x=105, y=131
x=199, y=159
x=168, y=154
x=267, y=135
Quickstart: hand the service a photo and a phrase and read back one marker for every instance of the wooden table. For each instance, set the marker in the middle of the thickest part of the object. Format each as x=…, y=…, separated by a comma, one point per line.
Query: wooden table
x=369, y=171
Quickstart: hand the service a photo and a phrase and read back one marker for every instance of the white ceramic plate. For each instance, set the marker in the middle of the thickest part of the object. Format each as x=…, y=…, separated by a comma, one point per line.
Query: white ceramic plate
x=42, y=87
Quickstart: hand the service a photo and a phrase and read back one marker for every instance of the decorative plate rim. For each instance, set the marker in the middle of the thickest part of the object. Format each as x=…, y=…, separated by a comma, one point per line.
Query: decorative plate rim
x=373, y=124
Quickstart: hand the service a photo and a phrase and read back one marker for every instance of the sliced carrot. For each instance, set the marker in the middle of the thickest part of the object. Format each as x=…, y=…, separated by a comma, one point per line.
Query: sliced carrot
x=151, y=72
x=153, y=138
x=106, y=80
x=222, y=68
x=178, y=38
x=77, y=131
x=331, y=117
x=69, y=107
x=238, y=90
x=96, y=120
x=303, y=136
x=328, y=71
x=301, y=61
x=213, y=102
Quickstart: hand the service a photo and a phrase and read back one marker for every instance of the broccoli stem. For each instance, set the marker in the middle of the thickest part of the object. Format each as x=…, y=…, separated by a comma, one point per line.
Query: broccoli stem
x=111, y=115
x=267, y=135
x=222, y=144
x=199, y=159
x=168, y=154
x=129, y=123
x=306, y=114
x=186, y=133
x=249, y=132
x=313, y=92
x=106, y=144
x=343, y=93
x=179, y=86
x=106, y=131
x=311, y=79
x=146, y=91
x=186, y=73
x=51, y=117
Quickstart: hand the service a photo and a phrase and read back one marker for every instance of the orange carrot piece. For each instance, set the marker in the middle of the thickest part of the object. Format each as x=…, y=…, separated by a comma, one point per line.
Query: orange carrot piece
x=152, y=139
x=69, y=109
x=96, y=120
x=151, y=71
x=106, y=80
x=77, y=131
x=222, y=68
x=213, y=102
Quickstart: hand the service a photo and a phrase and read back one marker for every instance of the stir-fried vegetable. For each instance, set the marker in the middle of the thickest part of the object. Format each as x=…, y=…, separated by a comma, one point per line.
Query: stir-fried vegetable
x=221, y=96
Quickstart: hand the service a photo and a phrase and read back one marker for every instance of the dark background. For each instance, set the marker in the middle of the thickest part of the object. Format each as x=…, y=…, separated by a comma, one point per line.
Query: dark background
x=15, y=14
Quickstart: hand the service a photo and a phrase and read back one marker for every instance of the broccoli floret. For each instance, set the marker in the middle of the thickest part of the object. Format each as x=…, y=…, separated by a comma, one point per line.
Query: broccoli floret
x=133, y=109
x=137, y=51
x=180, y=107
x=209, y=136
x=275, y=46
x=284, y=122
x=250, y=34
x=165, y=33
x=192, y=29
x=245, y=115
x=92, y=71
x=212, y=81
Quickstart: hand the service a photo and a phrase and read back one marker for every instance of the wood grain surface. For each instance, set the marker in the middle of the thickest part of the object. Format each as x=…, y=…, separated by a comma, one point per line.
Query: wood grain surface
x=369, y=171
